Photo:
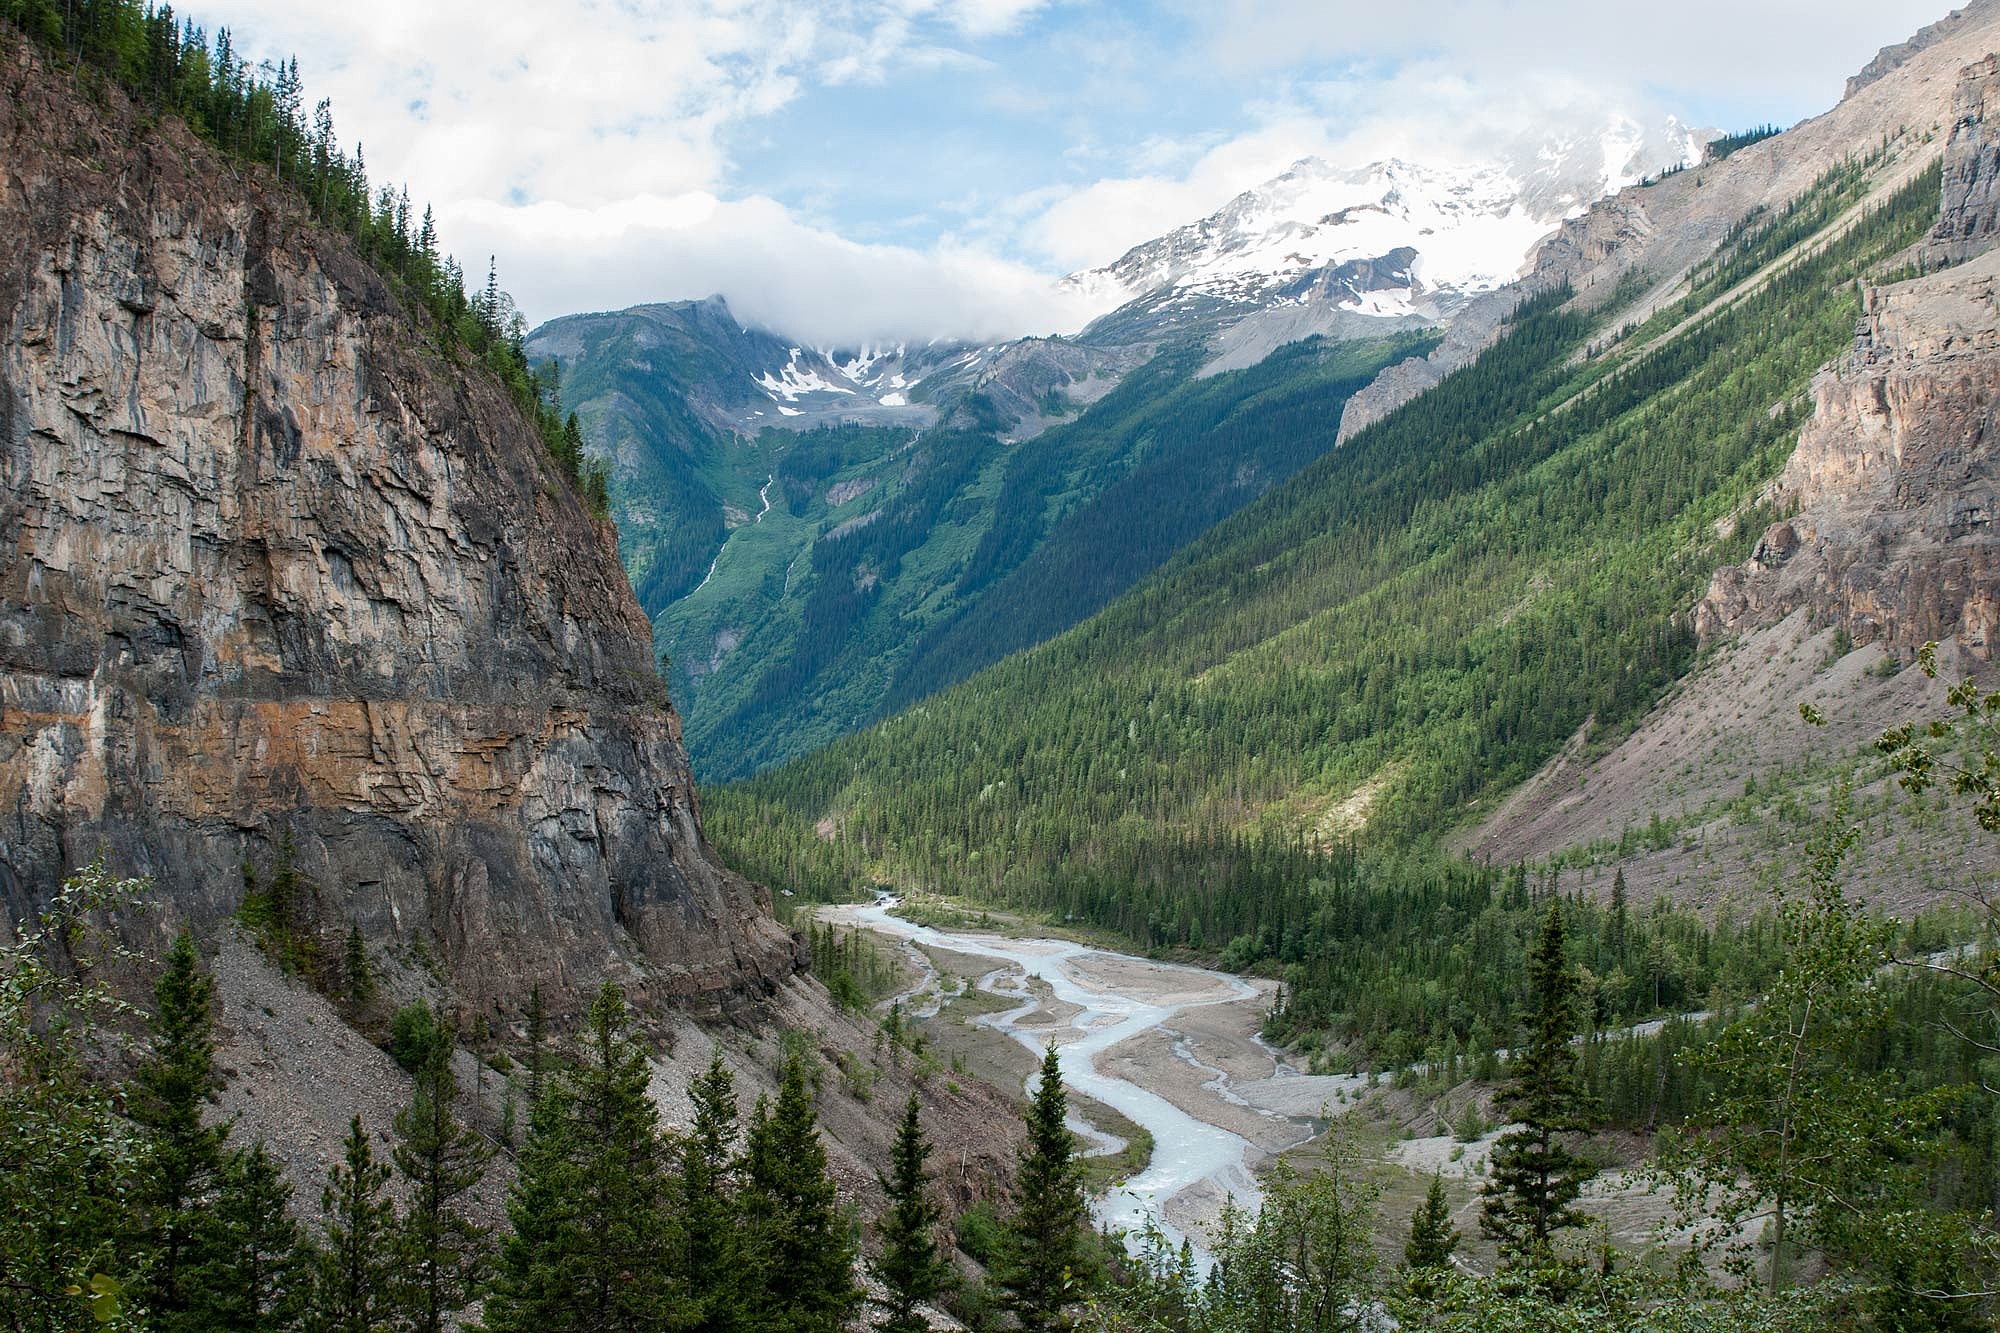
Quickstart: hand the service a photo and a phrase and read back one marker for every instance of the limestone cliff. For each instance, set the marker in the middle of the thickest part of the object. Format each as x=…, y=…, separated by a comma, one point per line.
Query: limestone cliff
x=1896, y=477
x=270, y=561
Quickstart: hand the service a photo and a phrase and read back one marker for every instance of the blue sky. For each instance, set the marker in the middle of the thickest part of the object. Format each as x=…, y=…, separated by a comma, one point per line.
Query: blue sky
x=918, y=168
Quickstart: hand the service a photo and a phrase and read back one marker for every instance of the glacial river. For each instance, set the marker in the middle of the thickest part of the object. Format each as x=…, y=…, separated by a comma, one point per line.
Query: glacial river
x=1188, y=1153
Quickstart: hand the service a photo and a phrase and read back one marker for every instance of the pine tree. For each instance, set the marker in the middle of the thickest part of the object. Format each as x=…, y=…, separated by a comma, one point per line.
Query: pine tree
x=443, y=1252
x=1535, y=1177
x=592, y=1235
x=538, y=1046
x=355, y=1268
x=488, y=308
x=804, y=1248
x=355, y=973
x=169, y=1090
x=713, y=1260
x=1433, y=1239
x=910, y=1269
x=253, y=1272
x=1045, y=1266
x=1620, y=917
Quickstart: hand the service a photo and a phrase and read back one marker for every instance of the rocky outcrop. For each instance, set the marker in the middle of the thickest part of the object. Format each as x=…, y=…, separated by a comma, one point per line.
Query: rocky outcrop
x=1897, y=476
x=271, y=562
x=1894, y=57
x=1969, y=220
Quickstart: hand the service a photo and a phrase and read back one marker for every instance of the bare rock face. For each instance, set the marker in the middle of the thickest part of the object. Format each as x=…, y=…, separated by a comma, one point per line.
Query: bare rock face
x=1970, y=219
x=270, y=561
x=1892, y=58
x=1897, y=475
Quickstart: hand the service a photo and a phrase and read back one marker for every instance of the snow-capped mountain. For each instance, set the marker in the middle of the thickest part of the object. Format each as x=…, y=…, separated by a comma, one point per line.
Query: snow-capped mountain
x=1392, y=239
x=1320, y=249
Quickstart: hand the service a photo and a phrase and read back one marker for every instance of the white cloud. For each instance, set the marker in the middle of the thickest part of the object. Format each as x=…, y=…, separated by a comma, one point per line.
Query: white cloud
x=777, y=272
x=589, y=144
x=987, y=18
x=1788, y=51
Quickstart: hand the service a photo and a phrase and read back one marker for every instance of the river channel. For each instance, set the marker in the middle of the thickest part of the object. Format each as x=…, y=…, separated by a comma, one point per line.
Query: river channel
x=1172, y=1048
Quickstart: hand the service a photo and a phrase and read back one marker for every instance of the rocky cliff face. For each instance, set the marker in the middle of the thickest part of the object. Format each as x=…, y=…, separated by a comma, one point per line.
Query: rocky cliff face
x=269, y=562
x=1896, y=477
x=1969, y=220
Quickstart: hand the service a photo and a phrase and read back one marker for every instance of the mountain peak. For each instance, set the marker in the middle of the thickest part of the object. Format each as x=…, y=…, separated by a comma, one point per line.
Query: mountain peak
x=1472, y=225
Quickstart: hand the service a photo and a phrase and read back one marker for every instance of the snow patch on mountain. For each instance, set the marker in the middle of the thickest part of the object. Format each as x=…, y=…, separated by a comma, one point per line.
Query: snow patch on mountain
x=1319, y=233
x=795, y=381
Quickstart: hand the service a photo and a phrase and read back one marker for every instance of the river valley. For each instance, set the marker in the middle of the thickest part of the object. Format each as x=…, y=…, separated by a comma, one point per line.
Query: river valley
x=1172, y=1048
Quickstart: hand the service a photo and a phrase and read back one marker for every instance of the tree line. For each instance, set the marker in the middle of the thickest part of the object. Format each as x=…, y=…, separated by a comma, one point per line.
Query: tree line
x=133, y=1205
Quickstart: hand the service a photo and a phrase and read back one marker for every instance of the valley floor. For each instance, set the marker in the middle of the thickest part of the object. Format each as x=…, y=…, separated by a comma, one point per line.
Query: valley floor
x=1188, y=1052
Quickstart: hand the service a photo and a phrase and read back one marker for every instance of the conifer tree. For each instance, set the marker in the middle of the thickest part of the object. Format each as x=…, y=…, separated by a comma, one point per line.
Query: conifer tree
x=169, y=1089
x=1433, y=1239
x=910, y=1269
x=538, y=1045
x=713, y=1260
x=355, y=974
x=488, y=308
x=591, y=1246
x=354, y=1269
x=1535, y=1177
x=442, y=1251
x=252, y=1276
x=1045, y=1265
x=1620, y=917
x=804, y=1248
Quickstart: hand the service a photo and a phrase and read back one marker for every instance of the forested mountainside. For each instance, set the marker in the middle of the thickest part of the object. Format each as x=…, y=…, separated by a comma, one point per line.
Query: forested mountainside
x=868, y=563
x=1018, y=487
x=1380, y=653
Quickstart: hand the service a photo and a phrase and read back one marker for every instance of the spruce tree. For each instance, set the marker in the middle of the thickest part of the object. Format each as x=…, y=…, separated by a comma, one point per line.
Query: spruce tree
x=1535, y=1177
x=354, y=1269
x=1616, y=931
x=169, y=1089
x=1045, y=1265
x=1433, y=1239
x=804, y=1249
x=442, y=1251
x=911, y=1270
x=592, y=1241
x=713, y=1258
x=252, y=1274
x=538, y=1045
x=527, y=1292
x=357, y=978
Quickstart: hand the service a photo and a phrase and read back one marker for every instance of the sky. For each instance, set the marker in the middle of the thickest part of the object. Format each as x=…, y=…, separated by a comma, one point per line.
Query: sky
x=852, y=170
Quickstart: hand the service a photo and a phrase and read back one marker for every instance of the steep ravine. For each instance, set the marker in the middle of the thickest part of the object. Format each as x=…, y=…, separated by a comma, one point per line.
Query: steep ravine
x=271, y=563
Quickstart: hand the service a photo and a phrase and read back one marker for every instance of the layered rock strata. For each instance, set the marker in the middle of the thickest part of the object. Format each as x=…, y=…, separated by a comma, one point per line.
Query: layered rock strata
x=272, y=563
x=1896, y=477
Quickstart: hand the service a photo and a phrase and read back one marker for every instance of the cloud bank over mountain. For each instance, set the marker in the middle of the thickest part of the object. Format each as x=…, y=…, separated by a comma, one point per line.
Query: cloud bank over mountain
x=926, y=168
